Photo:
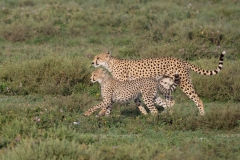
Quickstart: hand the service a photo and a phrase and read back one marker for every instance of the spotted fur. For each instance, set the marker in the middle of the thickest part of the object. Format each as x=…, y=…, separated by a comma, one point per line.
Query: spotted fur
x=155, y=68
x=113, y=90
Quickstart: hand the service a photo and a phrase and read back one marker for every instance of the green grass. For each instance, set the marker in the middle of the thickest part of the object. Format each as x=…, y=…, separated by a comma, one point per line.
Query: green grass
x=34, y=127
x=46, y=49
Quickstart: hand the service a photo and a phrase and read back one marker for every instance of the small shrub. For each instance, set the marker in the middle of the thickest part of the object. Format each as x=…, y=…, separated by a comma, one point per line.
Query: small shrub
x=48, y=149
x=50, y=75
x=223, y=117
x=17, y=34
x=221, y=87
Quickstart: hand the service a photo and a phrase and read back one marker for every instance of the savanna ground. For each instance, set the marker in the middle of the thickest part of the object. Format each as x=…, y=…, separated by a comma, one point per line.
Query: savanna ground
x=45, y=65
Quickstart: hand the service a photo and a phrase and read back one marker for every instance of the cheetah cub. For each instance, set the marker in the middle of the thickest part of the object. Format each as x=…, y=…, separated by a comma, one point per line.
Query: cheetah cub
x=113, y=90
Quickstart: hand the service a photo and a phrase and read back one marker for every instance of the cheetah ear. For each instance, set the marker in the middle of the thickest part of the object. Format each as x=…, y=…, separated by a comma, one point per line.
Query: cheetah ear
x=109, y=53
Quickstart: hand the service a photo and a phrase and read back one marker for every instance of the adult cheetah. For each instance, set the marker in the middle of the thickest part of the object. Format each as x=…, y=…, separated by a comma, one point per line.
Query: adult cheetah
x=154, y=68
x=113, y=90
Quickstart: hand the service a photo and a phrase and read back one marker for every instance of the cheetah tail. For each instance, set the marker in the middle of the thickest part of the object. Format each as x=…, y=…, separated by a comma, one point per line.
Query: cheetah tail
x=176, y=82
x=208, y=72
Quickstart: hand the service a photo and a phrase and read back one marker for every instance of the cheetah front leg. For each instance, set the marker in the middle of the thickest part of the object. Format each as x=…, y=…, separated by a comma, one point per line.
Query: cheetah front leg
x=105, y=111
x=103, y=104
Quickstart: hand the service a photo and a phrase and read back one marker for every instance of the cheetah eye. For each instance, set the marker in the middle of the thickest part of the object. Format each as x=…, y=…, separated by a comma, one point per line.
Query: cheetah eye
x=97, y=57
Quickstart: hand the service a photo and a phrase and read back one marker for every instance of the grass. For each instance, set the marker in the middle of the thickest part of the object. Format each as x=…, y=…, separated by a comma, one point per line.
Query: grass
x=46, y=49
x=34, y=127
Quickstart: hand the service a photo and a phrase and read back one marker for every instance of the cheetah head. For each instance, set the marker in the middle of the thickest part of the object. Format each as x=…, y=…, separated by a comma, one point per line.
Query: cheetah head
x=98, y=75
x=101, y=59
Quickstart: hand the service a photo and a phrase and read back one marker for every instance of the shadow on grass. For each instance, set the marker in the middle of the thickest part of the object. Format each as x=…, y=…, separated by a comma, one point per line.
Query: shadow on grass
x=133, y=112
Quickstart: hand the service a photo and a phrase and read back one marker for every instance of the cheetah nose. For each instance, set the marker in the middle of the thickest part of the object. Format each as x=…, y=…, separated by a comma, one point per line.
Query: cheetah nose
x=92, y=62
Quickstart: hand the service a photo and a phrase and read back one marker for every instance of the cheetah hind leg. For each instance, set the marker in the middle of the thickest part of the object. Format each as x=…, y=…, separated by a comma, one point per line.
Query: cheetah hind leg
x=140, y=107
x=148, y=99
x=105, y=111
x=165, y=85
x=167, y=104
x=160, y=102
